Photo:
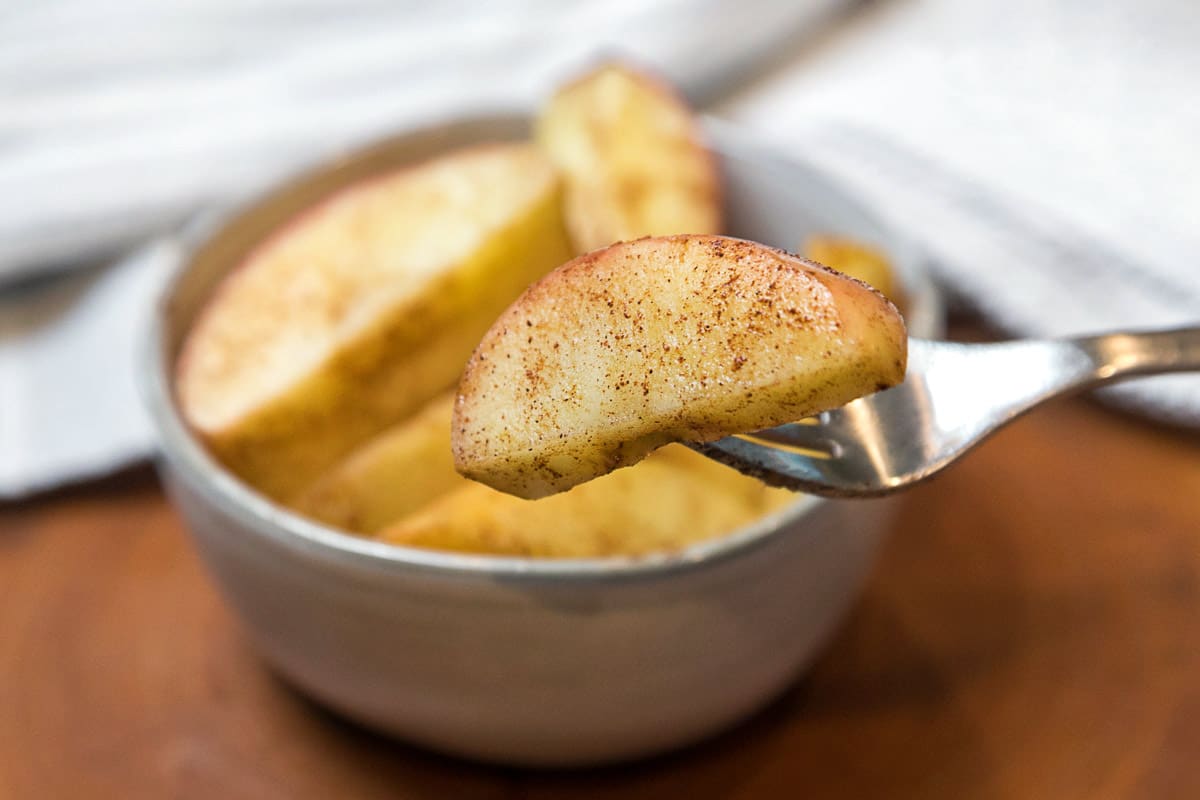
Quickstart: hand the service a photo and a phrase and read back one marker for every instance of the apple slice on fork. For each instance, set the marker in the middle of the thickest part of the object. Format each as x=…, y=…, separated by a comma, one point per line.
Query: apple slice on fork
x=680, y=338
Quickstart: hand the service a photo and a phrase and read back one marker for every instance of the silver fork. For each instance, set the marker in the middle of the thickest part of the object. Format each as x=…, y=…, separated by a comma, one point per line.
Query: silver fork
x=953, y=397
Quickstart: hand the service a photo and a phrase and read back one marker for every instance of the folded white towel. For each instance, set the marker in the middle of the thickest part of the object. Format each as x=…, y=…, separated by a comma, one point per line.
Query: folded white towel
x=1043, y=152
x=119, y=119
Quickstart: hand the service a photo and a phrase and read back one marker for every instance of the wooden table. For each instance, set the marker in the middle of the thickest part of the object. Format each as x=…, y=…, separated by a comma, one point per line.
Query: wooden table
x=1032, y=630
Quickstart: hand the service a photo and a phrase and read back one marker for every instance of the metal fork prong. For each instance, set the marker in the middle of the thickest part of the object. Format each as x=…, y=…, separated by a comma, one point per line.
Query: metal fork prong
x=808, y=434
x=771, y=466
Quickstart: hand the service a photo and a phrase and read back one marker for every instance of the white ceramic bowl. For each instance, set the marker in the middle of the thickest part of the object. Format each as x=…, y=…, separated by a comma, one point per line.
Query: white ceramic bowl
x=520, y=660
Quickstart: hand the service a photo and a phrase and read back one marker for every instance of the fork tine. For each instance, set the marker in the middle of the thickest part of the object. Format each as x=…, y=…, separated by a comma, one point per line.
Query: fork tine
x=773, y=467
x=811, y=433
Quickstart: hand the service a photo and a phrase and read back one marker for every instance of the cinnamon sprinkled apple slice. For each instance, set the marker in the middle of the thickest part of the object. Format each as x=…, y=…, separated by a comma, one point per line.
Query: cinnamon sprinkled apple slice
x=680, y=338
x=633, y=158
x=363, y=308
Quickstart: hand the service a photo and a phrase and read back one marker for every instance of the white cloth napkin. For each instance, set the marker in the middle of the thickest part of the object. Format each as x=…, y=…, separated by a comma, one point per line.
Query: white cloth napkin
x=1043, y=152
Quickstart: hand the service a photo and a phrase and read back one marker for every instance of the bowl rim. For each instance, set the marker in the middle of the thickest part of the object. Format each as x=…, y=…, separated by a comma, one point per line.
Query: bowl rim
x=183, y=452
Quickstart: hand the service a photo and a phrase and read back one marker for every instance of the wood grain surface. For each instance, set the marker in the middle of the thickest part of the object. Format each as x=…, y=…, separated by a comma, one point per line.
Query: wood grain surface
x=1032, y=630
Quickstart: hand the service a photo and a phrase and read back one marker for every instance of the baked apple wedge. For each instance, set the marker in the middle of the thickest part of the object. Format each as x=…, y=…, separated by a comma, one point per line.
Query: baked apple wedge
x=364, y=308
x=633, y=158
x=681, y=338
x=393, y=474
x=858, y=260
x=672, y=499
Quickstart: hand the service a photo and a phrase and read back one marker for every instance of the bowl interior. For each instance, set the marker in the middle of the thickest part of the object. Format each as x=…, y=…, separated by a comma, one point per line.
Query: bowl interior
x=769, y=198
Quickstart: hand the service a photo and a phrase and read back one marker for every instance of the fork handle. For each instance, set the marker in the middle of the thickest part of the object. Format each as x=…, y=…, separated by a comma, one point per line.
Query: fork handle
x=1118, y=355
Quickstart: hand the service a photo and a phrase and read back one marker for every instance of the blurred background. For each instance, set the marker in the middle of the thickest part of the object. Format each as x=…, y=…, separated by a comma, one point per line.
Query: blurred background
x=1041, y=151
x=1031, y=627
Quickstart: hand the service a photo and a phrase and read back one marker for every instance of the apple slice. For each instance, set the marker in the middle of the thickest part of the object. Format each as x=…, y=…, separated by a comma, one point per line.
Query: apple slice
x=364, y=308
x=671, y=499
x=682, y=338
x=633, y=157
x=393, y=474
x=858, y=260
